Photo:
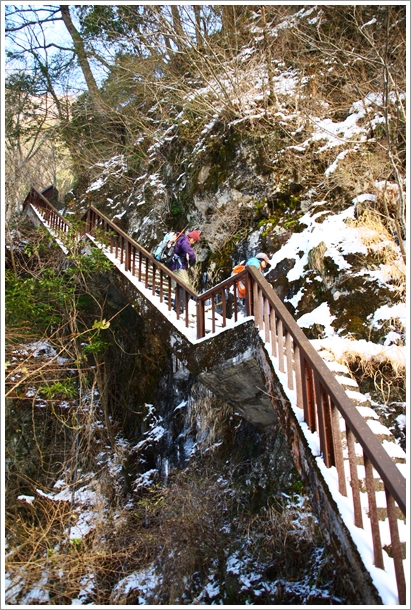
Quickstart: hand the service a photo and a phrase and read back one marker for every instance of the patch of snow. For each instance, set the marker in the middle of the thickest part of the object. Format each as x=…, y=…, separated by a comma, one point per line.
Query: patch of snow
x=88, y=587
x=388, y=312
x=143, y=583
x=39, y=594
x=378, y=428
x=346, y=380
x=28, y=499
x=356, y=396
x=146, y=478
x=342, y=347
x=322, y=316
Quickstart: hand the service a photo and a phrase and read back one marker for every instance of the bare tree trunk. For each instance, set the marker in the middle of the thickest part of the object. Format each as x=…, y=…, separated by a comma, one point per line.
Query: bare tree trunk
x=199, y=35
x=267, y=57
x=178, y=28
x=12, y=259
x=81, y=56
x=400, y=213
x=228, y=19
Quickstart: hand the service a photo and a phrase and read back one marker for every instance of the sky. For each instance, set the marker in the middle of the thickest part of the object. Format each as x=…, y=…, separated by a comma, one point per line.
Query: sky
x=55, y=33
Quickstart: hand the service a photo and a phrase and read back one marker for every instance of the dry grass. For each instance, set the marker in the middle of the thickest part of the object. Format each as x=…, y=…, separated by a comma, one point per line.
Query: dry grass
x=189, y=533
x=381, y=372
x=369, y=363
x=385, y=383
x=381, y=245
x=41, y=556
x=287, y=535
x=387, y=375
x=372, y=230
x=357, y=174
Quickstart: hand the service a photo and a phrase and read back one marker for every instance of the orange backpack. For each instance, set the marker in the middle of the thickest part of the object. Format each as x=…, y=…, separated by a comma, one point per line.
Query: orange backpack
x=241, y=289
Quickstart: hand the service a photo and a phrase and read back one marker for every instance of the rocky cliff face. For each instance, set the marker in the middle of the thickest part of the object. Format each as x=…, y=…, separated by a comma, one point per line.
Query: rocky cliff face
x=328, y=243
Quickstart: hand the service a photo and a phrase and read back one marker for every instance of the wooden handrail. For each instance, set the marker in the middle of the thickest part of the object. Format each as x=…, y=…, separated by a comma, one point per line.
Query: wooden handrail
x=318, y=398
x=319, y=395
x=378, y=456
x=51, y=215
x=115, y=229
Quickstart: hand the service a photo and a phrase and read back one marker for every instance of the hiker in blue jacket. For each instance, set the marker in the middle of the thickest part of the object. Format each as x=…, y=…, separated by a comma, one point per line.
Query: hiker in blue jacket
x=260, y=261
x=184, y=258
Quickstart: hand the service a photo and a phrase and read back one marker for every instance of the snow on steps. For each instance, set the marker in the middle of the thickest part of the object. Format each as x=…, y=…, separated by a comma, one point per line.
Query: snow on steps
x=363, y=405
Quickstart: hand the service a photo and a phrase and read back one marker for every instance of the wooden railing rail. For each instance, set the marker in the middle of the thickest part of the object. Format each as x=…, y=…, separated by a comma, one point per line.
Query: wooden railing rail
x=140, y=263
x=322, y=400
x=217, y=298
x=51, y=216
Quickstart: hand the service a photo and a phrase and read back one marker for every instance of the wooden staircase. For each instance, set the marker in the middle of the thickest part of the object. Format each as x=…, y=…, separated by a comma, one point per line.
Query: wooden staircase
x=354, y=448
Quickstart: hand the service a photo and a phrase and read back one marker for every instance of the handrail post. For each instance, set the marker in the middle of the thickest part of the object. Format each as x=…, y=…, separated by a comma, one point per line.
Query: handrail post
x=127, y=261
x=338, y=452
x=169, y=291
x=266, y=319
x=258, y=306
x=224, y=307
x=355, y=484
x=186, y=301
x=396, y=548
x=248, y=299
x=235, y=302
x=200, y=305
x=280, y=345
x=289, y=359
x=308, y=394
x=372, y=513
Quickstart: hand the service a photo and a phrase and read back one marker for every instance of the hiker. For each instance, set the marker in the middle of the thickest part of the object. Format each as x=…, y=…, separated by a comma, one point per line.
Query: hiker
x=260, y=261
x=184, y=258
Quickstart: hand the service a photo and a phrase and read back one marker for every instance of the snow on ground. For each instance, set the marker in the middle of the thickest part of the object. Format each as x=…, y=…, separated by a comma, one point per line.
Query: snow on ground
x=339, y=238
x=144, y=582
x=115, y=165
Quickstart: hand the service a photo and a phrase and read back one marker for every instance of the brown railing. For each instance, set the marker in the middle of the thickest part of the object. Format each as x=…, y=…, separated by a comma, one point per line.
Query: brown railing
x=49, y=214
x=324, y=404
x=140, y=263
x=323, y=401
